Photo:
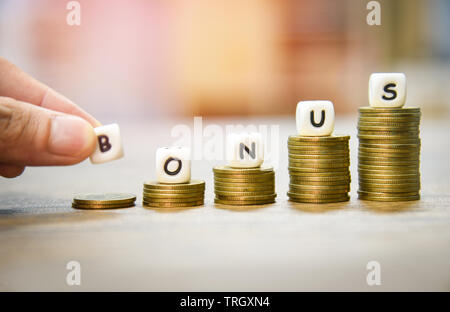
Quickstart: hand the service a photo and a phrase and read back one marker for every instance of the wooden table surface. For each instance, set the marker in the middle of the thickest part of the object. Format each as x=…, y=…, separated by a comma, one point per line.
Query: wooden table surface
x=278, y=247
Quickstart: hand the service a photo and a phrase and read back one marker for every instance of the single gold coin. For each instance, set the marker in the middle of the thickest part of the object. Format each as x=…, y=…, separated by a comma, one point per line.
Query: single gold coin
x=397, y=137
x=244, y=189
x=388, y=163
x=102, y=206
x=390, y=118
x=390, y=168
x=339, y=178
x=267, y=175
x=388, y=157
x=317, y=171
x=377, y=169
x=322, y=166
x=300, y=194
x=245, y=180
x=327, y=184
x=173, y=205
x=175, y=191
x=173, y=196
x=341, y=160
x=243, y=202
x=250, y=171
x=342, y=198
x=392, y=151
x=387, y=197
x=245, y=184
x=325, y=157
x=389, y=133
x=313, y=148
x=321, y=193
x=104, y=198
x=193, y=184
x=387, y=187
x=389, y=110
x=246, y=198
x=318, y=145
x=332, y=138
x=388, y=125
x=242, y=193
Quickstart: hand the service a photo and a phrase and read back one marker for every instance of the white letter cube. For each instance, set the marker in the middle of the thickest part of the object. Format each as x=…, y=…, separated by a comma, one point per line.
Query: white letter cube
x=387, y=90
x=173, y=165
x=245, y=150
x=315, y=118
x=109, y=144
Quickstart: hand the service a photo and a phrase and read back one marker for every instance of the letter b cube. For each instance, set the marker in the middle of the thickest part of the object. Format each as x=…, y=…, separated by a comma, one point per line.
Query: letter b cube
x=109, y=144
x=173, y=165
x=315, y=118
x=245, y=150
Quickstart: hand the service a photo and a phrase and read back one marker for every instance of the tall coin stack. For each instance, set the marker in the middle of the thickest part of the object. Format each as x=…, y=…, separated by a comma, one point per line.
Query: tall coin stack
x=162, y=195
x=244, y=186
x=389, y=153
x=319, y=169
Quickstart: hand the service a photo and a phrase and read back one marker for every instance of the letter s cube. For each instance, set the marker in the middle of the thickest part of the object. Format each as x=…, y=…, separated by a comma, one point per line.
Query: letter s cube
x=245, y=150
x=387, y=90
x=173, y=165
x=315, y=118
x=109, y=144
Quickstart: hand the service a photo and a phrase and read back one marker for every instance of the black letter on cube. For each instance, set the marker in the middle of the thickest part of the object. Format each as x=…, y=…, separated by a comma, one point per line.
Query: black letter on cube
x=103, y=142
x=393, y=92
x=166, y=166
x=243, y=147
x=322, y=119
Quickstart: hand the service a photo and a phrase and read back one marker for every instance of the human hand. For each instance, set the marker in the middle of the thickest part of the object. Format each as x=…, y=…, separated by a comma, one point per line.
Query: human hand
x=38, y=126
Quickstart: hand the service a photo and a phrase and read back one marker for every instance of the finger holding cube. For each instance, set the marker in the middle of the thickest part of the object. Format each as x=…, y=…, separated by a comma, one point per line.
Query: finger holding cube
x=109, y=144
x=245, y=150
x=173, y=165
x=315, y=118
x=387, y=90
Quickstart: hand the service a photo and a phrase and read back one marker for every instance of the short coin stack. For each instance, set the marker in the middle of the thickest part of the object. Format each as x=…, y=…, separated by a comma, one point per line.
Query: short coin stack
x=319, y=169
x=103, y=201
x=162, y=195
x=244, y=186
x=389, y=154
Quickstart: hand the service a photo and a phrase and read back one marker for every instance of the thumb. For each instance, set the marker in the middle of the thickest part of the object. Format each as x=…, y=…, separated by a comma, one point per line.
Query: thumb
x=35, y=136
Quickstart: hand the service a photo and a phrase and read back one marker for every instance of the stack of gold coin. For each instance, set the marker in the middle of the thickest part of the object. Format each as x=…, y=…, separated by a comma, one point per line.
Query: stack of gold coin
x=103, y=201
x=389, y=154
x=162, y=195
x=244, y=186
x=319, y=169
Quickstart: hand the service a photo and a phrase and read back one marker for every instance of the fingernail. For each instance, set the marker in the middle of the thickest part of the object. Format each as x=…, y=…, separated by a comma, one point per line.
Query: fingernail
x=70, y=136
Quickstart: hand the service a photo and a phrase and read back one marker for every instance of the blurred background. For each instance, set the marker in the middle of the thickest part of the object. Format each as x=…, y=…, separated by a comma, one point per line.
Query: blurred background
x=147, y=59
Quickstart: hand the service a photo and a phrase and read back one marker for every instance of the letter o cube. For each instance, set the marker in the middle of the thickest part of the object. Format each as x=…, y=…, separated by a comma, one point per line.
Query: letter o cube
x=387, y=90
x=109, y=144
x=245, y=150
x=173, y=165
x=315, y=118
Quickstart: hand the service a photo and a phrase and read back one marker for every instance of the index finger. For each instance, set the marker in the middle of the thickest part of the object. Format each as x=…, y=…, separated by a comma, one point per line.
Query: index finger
x=19, y=85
